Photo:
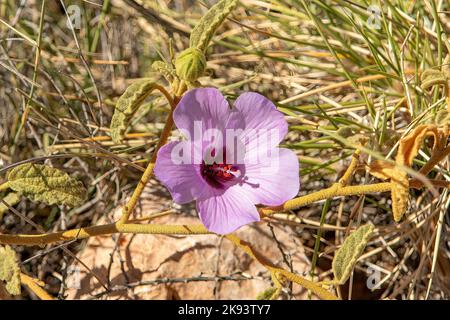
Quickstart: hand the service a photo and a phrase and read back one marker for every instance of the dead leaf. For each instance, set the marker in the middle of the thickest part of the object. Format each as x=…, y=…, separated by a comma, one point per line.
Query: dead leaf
x=400, y=185
x=408, y=149
x=410, y=145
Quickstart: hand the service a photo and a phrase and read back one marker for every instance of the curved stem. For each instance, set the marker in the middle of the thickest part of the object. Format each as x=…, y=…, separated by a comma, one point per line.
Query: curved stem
x=151, y=229
x=321, y=292
x=35, y=287
x=129, y=207
x=336, y=190
x=119, y=227
x=166, y=95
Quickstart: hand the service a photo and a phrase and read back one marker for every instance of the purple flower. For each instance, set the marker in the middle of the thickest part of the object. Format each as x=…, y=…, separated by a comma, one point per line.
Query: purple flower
x=230, y=161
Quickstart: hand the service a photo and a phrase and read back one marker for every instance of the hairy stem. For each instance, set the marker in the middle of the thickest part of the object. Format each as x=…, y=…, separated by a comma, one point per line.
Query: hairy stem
x=336, y=190
x=321, y=292
x=34, y=286
x=82, y=233
x=129, y=207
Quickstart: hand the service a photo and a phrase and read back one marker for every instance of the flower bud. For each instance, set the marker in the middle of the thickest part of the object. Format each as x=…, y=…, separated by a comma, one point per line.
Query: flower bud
x=190, y=64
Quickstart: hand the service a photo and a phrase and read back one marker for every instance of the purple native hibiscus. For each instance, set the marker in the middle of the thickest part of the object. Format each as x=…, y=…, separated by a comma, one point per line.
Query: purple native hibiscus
x=230, y=161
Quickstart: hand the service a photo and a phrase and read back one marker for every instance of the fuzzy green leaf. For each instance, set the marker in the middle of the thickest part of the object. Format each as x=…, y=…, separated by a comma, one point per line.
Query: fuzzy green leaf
x=204, y=30
x=165, y=69
x=46, y=184
x=9, y=270
x=127, y=105
x=11, y=198
x=346, y=256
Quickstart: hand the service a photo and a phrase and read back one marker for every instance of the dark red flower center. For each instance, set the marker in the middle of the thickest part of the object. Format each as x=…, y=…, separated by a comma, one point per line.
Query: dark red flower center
x=220, y=171
x=217, y=172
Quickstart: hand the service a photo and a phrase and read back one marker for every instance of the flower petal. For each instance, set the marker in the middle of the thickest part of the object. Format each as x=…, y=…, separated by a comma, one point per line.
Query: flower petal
x=183, y=180
x=225, y=212
x=204, y=108
x=265, y=126
x=273, y=182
